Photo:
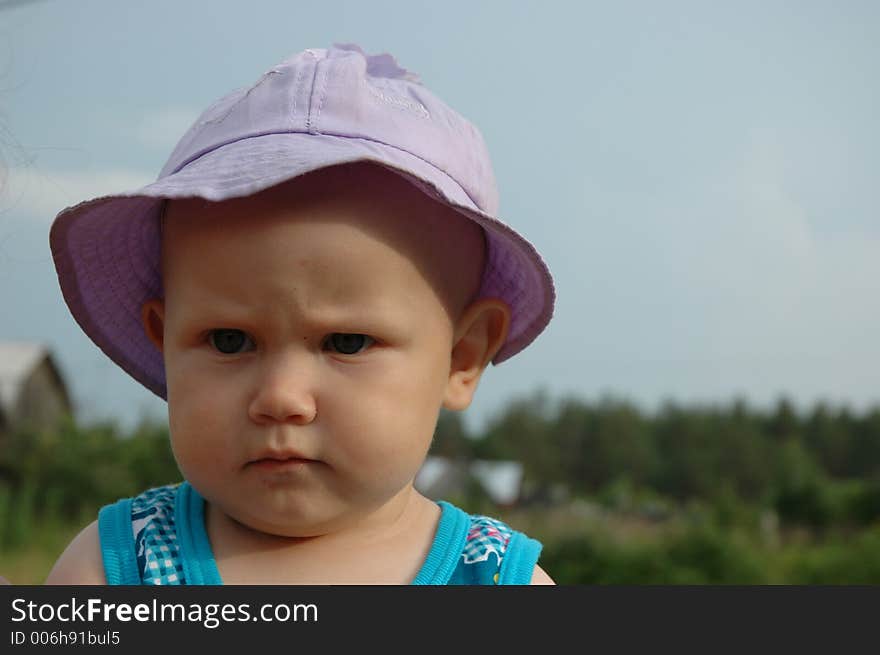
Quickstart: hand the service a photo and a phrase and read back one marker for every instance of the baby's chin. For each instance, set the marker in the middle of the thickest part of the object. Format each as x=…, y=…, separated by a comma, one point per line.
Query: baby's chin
x=279, y=526
x=288, y=524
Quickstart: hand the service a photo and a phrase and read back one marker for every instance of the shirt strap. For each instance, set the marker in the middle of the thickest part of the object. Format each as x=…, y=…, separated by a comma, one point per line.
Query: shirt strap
x=117, y=544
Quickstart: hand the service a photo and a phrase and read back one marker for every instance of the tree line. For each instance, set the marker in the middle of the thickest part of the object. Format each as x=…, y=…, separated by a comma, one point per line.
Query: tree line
x=818, y=467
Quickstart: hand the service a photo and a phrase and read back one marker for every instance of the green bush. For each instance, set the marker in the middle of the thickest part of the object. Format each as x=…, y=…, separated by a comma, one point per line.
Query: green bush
x=696, y=556
x=62, y=475
x=841, y=561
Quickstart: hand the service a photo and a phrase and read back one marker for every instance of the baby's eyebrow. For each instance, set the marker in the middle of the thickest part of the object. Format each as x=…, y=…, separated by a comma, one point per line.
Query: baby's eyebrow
x=361, y=312
x=375, y=317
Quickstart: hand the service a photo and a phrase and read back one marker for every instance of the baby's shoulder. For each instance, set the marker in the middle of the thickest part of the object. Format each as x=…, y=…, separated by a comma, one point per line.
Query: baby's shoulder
x=81, y=562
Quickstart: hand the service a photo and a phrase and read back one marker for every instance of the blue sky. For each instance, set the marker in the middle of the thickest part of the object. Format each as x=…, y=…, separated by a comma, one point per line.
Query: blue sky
x=701, y=178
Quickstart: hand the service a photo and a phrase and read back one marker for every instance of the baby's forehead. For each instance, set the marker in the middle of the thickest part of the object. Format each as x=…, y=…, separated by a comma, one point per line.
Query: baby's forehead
x=380, y=203
x=360, y=190
x=350, y=208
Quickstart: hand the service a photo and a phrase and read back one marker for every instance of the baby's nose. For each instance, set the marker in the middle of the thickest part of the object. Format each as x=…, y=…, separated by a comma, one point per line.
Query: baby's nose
x=285, y=392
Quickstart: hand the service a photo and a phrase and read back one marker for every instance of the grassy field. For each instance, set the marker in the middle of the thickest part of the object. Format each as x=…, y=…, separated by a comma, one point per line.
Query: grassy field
x=30, y=563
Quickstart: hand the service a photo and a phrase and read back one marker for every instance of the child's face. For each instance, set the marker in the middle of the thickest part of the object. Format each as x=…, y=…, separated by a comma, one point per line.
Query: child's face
x=265, y=299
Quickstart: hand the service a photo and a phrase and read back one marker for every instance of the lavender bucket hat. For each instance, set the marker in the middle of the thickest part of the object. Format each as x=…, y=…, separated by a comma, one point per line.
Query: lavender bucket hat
x=317, y=108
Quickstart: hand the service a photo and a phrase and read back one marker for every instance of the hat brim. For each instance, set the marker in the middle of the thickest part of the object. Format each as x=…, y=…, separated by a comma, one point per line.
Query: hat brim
x=107, y=250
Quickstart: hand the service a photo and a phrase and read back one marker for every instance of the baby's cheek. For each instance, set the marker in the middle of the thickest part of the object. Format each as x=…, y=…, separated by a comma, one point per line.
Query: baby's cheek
x=199, y=435
x=387, y=440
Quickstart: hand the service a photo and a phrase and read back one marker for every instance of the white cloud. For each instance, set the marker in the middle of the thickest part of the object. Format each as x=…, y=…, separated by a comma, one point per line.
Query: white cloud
x=29, y=190
x=793, y=307
x=757, y=236
x=723, y=283
x=41, y=194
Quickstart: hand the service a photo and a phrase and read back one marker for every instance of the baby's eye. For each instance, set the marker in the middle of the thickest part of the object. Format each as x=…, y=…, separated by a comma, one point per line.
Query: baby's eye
x=228, y=342
x=348, y=344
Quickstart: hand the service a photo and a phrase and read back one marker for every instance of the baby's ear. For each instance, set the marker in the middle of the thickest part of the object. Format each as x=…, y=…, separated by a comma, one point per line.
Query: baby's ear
x=479, y=335
x=153, y=318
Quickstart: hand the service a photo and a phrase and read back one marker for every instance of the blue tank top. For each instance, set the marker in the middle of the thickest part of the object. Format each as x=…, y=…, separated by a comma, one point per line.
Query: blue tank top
x=159, y=538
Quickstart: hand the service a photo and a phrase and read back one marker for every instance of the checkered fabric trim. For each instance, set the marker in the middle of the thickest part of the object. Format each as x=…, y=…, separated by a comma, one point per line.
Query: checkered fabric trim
x=486, y=536
x=155, y=538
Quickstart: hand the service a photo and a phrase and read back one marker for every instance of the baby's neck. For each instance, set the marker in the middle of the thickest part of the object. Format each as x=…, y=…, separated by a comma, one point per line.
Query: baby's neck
x=387, y=547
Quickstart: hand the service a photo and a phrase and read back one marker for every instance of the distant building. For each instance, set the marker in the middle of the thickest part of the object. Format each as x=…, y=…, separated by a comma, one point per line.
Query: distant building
x=32, y=391
x=441, y=477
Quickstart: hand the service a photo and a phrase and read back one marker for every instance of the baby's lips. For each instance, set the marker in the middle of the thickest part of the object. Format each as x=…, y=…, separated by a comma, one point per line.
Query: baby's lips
x=280, y=455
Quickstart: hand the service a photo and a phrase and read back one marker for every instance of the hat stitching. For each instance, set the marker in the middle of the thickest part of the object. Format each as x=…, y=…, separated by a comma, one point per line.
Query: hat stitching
x=328, y=64
x=235, y=166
